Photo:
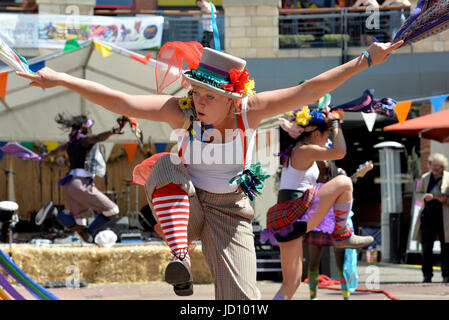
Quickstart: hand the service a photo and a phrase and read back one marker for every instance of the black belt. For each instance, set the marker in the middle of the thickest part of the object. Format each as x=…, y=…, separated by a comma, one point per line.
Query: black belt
x=287, y=194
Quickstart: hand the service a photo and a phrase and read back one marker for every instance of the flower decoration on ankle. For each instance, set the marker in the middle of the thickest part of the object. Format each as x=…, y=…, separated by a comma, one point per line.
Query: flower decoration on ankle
x=185, y=103
x=239, y=82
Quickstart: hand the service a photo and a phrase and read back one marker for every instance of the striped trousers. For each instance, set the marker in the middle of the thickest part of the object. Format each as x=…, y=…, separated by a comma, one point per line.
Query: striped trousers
x=222, y=222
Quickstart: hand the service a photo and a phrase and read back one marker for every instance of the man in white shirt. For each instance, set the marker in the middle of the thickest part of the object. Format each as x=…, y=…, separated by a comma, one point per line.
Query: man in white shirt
x=206, y=20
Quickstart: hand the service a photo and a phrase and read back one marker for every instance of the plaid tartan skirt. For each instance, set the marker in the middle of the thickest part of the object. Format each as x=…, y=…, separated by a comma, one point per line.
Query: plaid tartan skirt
x=286, y=212
x=282, y=215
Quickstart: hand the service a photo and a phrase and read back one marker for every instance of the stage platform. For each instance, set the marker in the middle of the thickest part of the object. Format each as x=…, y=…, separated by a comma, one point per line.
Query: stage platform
x=122, y=263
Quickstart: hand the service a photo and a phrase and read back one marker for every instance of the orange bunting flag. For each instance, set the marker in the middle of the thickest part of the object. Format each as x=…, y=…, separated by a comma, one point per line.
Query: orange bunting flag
x=3, y=82
x=143, y=60
x=131, y=149
x=402, y=108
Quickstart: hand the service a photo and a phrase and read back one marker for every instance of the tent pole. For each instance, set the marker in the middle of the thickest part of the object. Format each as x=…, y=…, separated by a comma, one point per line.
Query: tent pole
x=89, y=55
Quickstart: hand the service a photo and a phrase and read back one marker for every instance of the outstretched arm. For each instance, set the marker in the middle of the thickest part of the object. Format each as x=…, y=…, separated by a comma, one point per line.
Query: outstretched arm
x=304, y=156
x=271, y=103
x=55, y=152
x=95, y=138
x=162, y=108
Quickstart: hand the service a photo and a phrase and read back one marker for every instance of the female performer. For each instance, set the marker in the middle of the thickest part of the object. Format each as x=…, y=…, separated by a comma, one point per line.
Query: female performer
x=204, y=192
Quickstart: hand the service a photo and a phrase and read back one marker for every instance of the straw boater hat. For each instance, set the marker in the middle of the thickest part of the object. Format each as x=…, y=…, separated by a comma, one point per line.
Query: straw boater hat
x=219, y=72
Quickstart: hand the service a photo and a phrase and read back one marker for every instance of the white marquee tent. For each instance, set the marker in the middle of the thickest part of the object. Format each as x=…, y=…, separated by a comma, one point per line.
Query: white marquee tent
x=28, y=113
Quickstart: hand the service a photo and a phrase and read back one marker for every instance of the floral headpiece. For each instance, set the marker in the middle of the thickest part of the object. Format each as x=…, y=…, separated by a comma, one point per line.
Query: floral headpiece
x=223, y=73
x=304, y=117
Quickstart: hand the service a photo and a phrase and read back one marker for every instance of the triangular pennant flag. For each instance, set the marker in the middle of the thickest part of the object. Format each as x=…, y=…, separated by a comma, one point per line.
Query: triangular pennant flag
x=35, y=67
x=370, y=119
x=105, y=51
x=402, y=108
x=3, y=82
x=51, y=145
x=130, y=151
x=108, y=146
x=438, y=101
x=160, y=146
x=27, y=144
x=71, y=45
x=144, y=60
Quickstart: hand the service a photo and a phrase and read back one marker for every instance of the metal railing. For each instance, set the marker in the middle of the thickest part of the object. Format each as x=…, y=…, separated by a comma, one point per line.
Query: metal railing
x=341, y=29
x=187, y=28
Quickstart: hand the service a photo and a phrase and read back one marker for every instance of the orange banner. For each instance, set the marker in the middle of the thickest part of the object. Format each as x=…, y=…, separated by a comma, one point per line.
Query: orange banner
x=131, y=149
x=3, y=82
x=402, y=108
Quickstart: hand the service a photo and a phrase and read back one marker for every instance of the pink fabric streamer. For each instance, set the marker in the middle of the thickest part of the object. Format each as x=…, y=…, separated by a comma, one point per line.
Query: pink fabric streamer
x=19, y=151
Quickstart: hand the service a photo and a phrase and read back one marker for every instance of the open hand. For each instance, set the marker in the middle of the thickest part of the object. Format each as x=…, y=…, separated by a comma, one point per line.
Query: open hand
x=44, y=78
x=380, y=52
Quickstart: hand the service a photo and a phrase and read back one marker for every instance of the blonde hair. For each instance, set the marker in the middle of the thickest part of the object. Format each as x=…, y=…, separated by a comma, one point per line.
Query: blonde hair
x=439, y=159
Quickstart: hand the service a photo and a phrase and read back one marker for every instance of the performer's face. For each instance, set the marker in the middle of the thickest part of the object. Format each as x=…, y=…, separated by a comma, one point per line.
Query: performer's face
x=85, y=129
x=211, y=107
x=320, y=137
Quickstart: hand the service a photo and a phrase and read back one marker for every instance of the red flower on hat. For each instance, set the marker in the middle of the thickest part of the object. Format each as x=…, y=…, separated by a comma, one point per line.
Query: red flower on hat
x=238, y=80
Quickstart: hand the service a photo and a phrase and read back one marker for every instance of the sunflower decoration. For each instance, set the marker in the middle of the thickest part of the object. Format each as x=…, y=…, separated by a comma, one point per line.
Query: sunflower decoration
x=300, y=117
x=185, y=103
x=249, y=88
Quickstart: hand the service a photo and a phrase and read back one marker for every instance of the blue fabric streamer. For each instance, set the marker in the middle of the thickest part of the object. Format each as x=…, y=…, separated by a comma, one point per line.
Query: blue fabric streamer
x=215, y=28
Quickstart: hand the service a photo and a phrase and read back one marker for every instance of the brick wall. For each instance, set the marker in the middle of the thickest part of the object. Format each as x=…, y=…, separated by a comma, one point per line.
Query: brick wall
x=251, y=28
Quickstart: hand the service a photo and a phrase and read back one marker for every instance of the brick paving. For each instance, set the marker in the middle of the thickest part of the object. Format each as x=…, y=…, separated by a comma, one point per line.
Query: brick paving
x=400, y=281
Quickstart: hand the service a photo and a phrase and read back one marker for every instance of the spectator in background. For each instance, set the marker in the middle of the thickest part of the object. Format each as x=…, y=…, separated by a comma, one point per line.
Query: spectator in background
x=365, y=3
x=206, y=20
x=397, y=17
x=29, y=6
x=367, y=33
x=433, y=191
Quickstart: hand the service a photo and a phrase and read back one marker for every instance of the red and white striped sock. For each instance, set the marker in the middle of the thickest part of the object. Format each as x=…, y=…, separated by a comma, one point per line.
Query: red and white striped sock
x=172, y=207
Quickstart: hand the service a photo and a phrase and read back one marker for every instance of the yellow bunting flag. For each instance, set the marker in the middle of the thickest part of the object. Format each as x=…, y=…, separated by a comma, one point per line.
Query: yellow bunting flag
x=402, y=108
x=3, y=82
x=131, y=149
x=105, y=51
x=50, y=146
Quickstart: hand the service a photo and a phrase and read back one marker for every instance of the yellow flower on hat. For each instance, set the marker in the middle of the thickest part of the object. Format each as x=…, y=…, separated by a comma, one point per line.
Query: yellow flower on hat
x=185, y=103
x=303, y=116
x=249, y=86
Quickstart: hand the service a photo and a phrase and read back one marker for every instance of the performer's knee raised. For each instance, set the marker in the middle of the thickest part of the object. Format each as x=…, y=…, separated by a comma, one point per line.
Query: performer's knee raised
x=114, y=211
